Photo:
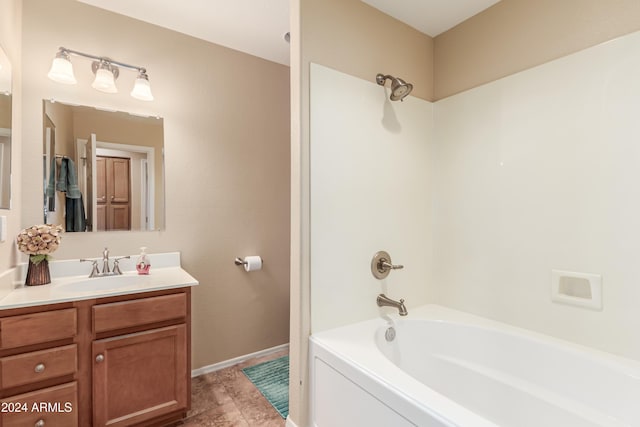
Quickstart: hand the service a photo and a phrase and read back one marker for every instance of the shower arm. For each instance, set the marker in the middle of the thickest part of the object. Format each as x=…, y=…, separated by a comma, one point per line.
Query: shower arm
x=381, y=79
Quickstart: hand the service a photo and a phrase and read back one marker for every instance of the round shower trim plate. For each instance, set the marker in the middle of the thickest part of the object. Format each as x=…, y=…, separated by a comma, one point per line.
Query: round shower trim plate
x=376, y=265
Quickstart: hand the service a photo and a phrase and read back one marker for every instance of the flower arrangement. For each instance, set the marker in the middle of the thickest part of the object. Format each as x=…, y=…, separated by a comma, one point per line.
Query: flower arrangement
x=38, y=241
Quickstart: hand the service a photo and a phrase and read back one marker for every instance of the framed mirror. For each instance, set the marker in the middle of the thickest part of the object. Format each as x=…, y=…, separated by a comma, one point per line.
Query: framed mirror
x=103, y=170
x=5, y=131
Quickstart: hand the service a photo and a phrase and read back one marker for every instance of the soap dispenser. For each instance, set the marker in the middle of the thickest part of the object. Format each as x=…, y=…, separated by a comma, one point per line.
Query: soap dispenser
x=143, y=265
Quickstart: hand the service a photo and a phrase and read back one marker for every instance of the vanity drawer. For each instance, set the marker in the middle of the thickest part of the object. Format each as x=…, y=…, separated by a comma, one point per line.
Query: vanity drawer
x=144, y=311
x=38, y=365
x=36, y=328
x=53, y=406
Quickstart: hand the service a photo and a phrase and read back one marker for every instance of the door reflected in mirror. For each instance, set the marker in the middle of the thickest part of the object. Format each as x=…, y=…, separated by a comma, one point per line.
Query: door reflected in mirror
x=103, y=170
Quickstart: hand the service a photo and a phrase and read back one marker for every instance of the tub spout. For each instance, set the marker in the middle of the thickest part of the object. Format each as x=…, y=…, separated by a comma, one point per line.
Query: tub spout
x=385, y=301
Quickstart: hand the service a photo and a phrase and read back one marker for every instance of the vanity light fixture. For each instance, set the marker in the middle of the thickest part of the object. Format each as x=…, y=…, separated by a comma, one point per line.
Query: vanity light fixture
x=61, y=69
x=106, y=71
x=141, y=88
x=106, y=75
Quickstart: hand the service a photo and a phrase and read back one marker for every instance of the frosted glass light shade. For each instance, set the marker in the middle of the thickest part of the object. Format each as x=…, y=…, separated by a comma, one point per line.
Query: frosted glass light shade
x=62, y=71
x=105, y=81
x=142, y=89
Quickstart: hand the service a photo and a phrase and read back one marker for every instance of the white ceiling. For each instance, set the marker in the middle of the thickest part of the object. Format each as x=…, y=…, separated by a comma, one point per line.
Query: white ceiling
x=257, y=27
x=431, y=17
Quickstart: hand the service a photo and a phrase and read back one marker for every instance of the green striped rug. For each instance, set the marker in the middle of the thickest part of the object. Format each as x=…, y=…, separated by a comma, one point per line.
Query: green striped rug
x=272, y=379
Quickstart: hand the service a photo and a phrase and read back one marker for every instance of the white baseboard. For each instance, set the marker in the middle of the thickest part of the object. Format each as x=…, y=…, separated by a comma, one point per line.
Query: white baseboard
x=290, y=423
x=236, y=360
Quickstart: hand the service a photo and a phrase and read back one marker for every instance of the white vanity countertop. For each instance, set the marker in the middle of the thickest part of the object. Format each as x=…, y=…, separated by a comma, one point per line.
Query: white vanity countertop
x=67, y=285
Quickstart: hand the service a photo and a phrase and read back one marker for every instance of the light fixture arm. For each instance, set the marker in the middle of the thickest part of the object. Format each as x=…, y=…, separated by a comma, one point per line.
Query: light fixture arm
x=102, y=59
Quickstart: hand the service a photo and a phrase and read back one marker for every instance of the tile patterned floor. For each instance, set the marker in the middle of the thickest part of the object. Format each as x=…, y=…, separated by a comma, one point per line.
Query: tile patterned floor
x=226, y=398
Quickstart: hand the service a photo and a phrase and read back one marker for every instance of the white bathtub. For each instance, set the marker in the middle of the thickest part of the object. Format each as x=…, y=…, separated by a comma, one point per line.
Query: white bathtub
x=448, y=368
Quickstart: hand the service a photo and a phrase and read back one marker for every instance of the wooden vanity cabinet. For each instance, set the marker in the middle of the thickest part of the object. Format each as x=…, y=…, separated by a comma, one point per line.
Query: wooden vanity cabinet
x=39, y=367
x=141, y=375
x=117, y=361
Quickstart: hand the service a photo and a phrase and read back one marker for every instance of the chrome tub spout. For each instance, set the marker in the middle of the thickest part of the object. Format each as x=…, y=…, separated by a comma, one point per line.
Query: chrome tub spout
x=385, y=301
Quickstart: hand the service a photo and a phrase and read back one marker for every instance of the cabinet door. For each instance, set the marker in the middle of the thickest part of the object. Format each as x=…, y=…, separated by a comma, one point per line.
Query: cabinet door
x=52, y=406
x=140, y=376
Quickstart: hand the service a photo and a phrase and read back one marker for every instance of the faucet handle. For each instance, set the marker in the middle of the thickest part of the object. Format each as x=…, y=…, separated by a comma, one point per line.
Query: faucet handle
x=116, y=265
x=387, y=265
x=94, y=264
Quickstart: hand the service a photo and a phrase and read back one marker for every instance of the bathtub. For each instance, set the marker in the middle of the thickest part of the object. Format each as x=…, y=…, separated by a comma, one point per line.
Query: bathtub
x=448, y=368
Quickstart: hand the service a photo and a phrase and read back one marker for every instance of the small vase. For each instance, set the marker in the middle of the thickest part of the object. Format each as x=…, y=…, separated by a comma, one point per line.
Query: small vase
x=38, y=274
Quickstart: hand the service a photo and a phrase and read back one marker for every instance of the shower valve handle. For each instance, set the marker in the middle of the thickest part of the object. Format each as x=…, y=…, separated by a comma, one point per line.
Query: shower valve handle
x=388, y=266
x=381, y=265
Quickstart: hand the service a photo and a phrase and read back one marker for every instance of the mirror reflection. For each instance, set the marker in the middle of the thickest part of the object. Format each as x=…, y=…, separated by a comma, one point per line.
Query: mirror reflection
x=103, y=170
x=5, y=131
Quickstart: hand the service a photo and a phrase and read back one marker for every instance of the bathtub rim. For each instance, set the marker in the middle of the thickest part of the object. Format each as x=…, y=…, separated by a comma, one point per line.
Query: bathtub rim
x=613, y=361
x=408, y=396
x=349, y=354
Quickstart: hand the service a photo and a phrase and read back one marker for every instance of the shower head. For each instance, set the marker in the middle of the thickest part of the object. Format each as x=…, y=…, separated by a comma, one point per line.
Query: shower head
x=399, y=88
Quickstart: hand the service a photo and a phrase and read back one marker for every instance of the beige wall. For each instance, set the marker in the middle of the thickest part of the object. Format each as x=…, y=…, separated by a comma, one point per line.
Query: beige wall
x=514, y=35
x=10, y=39
x=5, y=111
x=357, y=39
x=227, y=163
x=5, y=144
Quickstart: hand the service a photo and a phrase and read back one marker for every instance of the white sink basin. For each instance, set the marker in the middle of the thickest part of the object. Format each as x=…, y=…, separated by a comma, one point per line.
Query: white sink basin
x=100, y=284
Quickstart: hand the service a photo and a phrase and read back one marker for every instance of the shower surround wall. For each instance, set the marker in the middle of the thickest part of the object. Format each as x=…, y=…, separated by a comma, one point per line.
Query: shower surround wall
x=533, y=172
x=370, y=186
x=539, y=171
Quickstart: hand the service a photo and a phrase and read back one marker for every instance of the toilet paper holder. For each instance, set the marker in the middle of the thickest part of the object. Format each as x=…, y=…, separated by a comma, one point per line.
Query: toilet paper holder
x=240, y=261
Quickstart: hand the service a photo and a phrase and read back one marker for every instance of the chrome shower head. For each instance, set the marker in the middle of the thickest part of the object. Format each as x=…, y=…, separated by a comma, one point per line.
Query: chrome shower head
x=399, y=88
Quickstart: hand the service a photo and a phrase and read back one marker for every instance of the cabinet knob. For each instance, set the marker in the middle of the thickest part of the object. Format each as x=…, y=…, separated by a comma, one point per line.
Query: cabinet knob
x=39, y=368
x=100, y=358
x=39, y=423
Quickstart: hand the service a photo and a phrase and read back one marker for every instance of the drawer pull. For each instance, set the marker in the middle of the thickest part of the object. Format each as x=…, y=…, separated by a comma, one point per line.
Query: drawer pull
x=100, y=358
x=39, y=368
x=39, y=423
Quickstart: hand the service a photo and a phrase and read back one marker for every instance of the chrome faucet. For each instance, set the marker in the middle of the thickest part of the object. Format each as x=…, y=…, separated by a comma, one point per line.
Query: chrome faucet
x=106, y=271
x=385, y=301
x=105, y=261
